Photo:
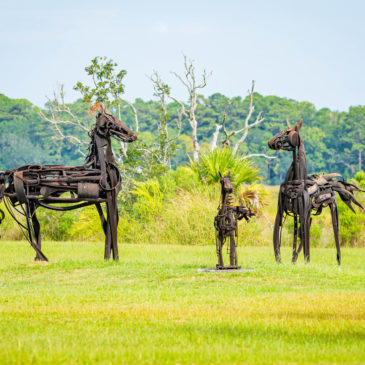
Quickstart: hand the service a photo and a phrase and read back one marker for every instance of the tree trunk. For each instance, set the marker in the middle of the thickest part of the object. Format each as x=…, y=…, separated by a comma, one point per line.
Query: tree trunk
x=213, y=143
x=196, y=147
x=360, y=160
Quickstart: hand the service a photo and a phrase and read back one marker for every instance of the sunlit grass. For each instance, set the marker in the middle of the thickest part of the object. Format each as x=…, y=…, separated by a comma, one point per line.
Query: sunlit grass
x=154, y=307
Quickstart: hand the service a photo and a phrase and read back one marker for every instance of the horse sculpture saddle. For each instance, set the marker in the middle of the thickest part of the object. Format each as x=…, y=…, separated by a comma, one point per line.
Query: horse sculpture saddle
x=320, y=189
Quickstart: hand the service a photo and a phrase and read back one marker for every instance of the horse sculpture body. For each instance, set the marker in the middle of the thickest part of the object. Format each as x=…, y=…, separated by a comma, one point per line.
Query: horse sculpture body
x=226, y=221
x=98, y=181
x=300, y=195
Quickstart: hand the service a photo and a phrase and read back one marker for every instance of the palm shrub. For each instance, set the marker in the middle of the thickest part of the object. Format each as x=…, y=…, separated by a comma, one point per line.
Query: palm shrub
x=223, y=160
x=253, y=196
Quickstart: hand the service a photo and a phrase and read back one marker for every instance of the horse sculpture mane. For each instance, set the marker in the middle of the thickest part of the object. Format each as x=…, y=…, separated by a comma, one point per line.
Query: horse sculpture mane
x=98, y=181
x=300, y=195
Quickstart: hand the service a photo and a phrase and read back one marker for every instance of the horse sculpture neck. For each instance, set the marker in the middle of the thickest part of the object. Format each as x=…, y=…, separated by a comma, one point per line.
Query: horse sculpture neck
x=100, y=155
x=298, y=168
x=226, y=200
x=100, y=151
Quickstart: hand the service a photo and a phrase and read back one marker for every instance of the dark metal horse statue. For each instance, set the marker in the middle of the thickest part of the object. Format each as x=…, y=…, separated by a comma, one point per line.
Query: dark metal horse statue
x=226, y=221
x=98, y=181
x=300, y=195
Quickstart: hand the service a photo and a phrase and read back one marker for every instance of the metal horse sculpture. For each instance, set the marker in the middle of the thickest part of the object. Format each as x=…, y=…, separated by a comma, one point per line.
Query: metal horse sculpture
x=300, y=195
x=98, y=181
x=225, y=223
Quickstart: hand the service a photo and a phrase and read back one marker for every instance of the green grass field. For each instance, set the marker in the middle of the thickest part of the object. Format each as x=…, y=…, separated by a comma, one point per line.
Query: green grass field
x=154, y=307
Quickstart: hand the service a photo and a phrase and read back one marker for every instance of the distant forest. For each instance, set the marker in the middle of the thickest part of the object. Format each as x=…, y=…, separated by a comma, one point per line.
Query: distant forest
x=334, y=141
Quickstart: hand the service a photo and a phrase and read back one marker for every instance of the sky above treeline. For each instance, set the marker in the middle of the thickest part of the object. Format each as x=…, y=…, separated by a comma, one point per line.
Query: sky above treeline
x=309, y=50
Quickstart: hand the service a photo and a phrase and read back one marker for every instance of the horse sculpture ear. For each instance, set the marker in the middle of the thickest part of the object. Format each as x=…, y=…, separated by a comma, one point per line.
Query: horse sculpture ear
x=298, y=126
x=287, y=123
x=293, y=137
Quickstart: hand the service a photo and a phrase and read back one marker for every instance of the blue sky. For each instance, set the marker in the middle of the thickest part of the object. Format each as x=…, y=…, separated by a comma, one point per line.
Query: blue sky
x=305, y=50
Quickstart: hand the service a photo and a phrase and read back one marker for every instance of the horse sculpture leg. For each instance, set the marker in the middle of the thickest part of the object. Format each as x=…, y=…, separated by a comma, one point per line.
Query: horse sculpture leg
x=106, y=228
x=307, y=224
x=307, y=238
x=219, y=250
x=232, y=250
x=33, y=228
x=304, y=218
x=277, y=228
x=108, y=241
x=334, y=214
x=36, y=229
x=295, y=239
x=113, y=224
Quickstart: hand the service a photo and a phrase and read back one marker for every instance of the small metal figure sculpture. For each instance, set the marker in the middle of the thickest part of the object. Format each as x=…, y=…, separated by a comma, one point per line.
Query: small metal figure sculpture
x=98, y=181
x=225, y=223
x=300, y=194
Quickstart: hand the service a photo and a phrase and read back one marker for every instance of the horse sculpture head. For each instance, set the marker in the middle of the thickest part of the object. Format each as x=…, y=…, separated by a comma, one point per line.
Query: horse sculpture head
x=109, y=126
x=288, y=139
x=226, y=183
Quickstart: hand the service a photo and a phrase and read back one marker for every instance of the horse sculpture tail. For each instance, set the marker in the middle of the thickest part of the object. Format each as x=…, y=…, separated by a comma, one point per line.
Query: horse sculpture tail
x=345, y=190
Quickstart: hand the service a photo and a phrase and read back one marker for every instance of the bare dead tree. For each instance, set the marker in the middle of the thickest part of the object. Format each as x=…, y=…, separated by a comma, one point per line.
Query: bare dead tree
x=189, y=80
x=161, y=90
x=59, y=114
x=243, y=132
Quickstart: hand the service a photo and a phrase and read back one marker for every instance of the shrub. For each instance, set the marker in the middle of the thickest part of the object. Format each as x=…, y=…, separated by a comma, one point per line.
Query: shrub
x=360, y=179
x=352, y=226
x=87, y=225
x=56, y=226
x=223, y=160
x=149, y=199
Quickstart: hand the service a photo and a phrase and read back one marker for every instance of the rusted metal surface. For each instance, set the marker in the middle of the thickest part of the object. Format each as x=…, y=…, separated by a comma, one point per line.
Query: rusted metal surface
x=302, y=195
x=98, y=181
x=226, y=223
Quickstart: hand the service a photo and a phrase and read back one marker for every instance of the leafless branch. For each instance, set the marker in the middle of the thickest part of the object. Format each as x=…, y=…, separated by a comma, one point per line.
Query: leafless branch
x=213, y=143
x=257, y=155
x=60, y=114
x=135, y=113
x=247, y=126
x=191, y=85
x=162, y=91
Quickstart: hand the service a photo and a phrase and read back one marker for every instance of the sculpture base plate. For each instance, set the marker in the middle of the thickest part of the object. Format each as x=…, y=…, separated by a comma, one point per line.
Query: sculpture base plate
x=225, y=269
x=218, y=267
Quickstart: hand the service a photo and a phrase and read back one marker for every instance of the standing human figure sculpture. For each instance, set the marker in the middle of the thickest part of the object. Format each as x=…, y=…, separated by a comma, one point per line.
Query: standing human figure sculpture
x=225, y=223
x=301, y=195
x=98, y=181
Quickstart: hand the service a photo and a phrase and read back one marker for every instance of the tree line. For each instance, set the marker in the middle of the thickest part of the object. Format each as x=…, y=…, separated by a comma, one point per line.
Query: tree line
x=180, y=130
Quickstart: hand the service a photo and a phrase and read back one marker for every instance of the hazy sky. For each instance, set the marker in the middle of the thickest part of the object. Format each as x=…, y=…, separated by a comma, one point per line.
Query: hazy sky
x=305, y=50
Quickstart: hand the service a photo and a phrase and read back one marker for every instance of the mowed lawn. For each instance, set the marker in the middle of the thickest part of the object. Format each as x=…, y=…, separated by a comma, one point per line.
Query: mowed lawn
x=154, y=307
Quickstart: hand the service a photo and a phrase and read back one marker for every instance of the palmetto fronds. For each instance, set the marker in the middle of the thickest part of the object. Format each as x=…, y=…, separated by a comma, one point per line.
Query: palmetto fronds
x=223, y=160
x=253, y=196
